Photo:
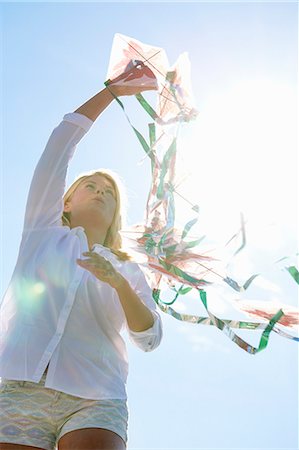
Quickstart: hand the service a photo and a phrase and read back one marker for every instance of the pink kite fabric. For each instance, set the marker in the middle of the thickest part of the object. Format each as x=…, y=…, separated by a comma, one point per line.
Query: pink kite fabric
x=174, y=84
x=266, y=310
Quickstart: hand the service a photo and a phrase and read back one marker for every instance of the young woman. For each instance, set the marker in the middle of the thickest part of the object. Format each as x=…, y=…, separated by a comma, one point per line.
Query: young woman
x=63, y=361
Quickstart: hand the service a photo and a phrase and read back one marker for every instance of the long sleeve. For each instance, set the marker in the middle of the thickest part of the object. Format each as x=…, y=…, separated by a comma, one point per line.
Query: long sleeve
x=45, y=199
x=149, y=339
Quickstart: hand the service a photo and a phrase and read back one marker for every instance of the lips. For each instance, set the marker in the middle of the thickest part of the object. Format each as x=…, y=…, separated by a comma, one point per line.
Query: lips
x=99, y=200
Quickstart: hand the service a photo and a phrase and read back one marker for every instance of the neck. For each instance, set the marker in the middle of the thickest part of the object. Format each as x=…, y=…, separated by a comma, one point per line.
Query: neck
x=94, y=235
x=94, y=238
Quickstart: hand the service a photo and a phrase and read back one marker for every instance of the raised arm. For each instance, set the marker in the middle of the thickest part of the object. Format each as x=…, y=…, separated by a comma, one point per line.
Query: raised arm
x=96, y=105
x=45, y=205
x=132, y=82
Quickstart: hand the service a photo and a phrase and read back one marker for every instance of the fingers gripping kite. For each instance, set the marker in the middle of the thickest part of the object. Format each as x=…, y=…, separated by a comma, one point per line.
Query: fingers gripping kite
x=170, y=259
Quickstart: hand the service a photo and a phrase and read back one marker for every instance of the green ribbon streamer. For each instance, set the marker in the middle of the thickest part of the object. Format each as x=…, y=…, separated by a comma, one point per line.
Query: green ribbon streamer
x=171, y=210
x=147, y=107
x=152, y=133
x=208, y=321
x=233, y=284
x=181, y=291
x=141, y=139
x=265, y=336
x=164, y=168
x=149, y=245
x=184, y=290
x=242, y=230
x=234, y=337
x=162, y=241
x=223, y=325
x=243, y=234
x=194, y=243
x=180, y=273
x=169, y=251
x=188, y=226
x=294, y=273
x=285, y=257
x=143, y=142
x=152, y=138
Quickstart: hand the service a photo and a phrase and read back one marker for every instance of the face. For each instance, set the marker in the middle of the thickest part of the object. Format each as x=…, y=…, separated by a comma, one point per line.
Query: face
x=94, y=199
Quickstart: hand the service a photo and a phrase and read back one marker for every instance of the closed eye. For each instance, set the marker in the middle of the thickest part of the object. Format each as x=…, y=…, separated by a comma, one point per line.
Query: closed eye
x=107, y=190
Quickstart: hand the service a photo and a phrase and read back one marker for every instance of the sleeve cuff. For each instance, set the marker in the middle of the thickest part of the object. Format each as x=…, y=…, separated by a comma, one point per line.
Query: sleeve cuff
x=149, y=339
x=78, y=119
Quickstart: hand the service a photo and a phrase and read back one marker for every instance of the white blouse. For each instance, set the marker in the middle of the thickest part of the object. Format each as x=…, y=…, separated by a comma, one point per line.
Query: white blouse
x=54, y=311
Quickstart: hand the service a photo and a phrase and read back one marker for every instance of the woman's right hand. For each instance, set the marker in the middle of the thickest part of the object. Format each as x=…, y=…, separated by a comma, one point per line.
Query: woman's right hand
x=133, y=81
x=136, y=79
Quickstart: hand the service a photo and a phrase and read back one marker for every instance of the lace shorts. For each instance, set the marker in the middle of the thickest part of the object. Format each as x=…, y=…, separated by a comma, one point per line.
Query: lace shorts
x=31, y=414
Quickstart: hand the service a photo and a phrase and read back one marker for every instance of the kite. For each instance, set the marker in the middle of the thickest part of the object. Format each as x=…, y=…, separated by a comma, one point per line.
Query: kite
x=170, y=258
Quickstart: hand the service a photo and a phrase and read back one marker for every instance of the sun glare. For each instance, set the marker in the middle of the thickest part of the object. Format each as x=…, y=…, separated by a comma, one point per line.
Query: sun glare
x=240, y=155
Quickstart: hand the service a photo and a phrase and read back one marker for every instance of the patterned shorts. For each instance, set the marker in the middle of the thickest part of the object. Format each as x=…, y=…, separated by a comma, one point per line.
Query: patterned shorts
x=31, y=414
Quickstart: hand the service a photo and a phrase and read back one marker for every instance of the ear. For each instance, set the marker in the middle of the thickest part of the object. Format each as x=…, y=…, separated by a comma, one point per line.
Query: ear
x=67, y=206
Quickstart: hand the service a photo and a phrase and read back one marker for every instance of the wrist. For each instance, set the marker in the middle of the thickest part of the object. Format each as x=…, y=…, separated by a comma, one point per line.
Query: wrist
x=113, y=91
x=119, y=283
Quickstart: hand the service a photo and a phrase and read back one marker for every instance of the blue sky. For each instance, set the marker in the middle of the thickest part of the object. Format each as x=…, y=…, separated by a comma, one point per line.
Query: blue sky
x=197, y=390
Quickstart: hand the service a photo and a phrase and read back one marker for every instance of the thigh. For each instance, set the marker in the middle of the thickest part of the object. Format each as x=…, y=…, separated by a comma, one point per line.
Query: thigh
x=108, y=420
x=91, y=439
x=24, y=416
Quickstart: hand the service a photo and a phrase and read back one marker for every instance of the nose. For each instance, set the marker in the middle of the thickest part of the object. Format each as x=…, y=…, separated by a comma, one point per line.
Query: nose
x=100, y=191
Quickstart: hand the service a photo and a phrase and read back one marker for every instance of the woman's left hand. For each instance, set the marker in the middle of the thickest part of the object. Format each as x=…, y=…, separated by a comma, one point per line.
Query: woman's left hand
x=101, y=268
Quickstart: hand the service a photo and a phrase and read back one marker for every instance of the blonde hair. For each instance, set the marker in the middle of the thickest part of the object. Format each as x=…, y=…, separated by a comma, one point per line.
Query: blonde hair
x=113, y=238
